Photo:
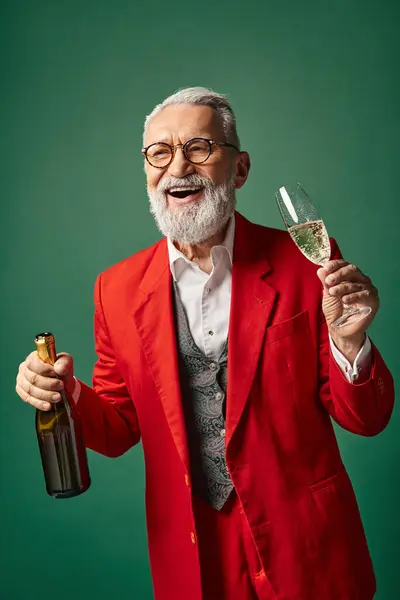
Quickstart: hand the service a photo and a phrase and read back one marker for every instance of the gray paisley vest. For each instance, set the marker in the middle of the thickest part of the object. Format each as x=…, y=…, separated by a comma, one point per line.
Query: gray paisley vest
x=203, y=387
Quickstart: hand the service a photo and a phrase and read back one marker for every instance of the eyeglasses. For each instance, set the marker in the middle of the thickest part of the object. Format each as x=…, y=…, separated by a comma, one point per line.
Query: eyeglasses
x=196, y=151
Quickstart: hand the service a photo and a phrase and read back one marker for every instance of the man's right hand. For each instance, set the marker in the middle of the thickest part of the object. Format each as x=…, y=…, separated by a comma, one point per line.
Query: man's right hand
x=38, y=383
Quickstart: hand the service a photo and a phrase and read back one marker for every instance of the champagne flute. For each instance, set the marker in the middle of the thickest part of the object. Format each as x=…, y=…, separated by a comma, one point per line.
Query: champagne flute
x=309, y=233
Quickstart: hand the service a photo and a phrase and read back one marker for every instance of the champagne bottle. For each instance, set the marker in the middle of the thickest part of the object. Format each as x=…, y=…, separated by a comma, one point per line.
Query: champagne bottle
x=60, y=437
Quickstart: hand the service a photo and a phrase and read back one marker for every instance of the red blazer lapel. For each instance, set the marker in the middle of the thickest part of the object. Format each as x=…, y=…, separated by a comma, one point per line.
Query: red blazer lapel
x=252, y=303
x=154, y=319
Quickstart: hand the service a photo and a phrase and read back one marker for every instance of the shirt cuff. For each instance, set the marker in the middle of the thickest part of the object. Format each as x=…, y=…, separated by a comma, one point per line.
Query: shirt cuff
x=77, y=390
x=362, y=362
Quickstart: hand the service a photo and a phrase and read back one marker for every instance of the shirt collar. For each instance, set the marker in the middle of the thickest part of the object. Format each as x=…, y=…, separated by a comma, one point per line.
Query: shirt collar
x=176, y=256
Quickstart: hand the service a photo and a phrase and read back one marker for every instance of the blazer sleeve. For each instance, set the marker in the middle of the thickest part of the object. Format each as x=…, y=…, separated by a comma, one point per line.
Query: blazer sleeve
x=106, y=410
x=363, y=407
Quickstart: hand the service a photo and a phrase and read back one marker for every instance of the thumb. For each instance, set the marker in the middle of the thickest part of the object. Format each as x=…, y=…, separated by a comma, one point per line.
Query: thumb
x=323, y=274
x=64, y=366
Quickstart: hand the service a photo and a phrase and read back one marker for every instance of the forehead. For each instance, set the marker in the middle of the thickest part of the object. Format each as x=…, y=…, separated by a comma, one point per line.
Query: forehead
x=181, y=122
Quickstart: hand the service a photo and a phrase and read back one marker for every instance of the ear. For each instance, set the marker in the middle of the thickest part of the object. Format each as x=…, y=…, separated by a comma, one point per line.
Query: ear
x=242, y=169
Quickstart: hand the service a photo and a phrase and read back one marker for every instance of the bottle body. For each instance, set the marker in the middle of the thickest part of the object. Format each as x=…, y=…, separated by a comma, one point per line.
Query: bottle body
x=63, y=453
x=60, y=437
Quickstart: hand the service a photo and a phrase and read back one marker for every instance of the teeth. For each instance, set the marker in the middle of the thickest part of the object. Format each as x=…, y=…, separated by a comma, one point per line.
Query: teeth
x=183, y=189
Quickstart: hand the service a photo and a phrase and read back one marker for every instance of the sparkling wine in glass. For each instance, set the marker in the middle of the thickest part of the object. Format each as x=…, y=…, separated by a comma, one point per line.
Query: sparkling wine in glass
x=309, y=233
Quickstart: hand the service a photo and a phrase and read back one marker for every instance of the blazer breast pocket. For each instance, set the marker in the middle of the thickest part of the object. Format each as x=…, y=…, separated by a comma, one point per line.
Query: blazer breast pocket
x=290, y=359
x=288, y=383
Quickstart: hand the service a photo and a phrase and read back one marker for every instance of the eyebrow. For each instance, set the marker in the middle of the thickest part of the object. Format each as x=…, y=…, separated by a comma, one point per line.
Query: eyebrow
x=167, y=140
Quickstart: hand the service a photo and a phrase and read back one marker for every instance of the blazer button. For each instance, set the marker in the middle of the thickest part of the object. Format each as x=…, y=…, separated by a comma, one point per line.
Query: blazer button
x=187, y=479
x=260, y=574
x=381, y=385
x=193, y=537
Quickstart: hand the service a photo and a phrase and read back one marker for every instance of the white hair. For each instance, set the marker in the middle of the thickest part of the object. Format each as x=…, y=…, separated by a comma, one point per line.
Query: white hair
x=205, y=97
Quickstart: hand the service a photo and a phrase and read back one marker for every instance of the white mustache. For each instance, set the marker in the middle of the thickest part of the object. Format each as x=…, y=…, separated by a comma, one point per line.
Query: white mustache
x=191, y=181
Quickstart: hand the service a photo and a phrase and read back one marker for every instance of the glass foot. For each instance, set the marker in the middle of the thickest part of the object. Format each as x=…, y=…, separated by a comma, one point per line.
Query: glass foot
x=351, y=315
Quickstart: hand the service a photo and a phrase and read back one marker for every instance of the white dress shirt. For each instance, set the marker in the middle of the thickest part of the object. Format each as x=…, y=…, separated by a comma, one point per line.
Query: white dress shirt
x=206, y=299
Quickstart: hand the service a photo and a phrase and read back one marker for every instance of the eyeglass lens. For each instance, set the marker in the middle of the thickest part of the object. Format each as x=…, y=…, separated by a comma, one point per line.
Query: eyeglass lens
x=196, y=151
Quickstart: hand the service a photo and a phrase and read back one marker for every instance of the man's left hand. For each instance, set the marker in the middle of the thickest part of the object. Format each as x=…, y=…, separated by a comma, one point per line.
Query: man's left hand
x=344, y=283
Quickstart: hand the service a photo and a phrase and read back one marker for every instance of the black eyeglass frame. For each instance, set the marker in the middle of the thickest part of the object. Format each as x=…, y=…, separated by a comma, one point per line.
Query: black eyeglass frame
x=211, y=143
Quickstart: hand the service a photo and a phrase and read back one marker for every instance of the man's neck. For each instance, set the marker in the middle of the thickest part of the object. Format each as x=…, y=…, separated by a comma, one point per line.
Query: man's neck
x=201, y=253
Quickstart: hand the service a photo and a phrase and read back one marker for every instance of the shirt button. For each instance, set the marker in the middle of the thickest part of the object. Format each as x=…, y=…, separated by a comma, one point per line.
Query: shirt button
x=222, y=432
x=213, y=366
x=193, y=537
x=208, y=290
x=218, y=396
x=187, y=479
x=210, y=333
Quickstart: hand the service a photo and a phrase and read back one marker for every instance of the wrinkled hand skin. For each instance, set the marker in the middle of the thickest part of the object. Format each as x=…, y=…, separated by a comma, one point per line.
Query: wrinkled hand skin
x=39, y=384
x=345, y=283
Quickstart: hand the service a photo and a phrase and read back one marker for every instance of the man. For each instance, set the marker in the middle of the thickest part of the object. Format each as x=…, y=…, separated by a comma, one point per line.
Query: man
x=213, y=348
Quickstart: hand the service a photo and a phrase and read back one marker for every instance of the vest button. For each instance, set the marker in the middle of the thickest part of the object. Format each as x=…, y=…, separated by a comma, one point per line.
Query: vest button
x=218, y=396
x=213, y=366
x=222, y=433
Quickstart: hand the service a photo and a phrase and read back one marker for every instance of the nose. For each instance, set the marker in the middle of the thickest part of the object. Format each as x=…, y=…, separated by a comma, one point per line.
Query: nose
x=180, y=166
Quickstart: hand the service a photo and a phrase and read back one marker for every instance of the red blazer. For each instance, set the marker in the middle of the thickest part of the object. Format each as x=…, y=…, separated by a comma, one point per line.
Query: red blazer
x=283, y=388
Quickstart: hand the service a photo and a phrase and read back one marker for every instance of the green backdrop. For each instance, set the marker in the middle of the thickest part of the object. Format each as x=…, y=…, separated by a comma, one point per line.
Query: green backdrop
x=316, y=93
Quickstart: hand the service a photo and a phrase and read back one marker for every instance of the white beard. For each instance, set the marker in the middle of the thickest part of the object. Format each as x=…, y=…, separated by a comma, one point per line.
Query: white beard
x=200, y=220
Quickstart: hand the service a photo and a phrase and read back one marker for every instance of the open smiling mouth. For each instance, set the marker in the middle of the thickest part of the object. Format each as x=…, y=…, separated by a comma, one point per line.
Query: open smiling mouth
x=183, y=192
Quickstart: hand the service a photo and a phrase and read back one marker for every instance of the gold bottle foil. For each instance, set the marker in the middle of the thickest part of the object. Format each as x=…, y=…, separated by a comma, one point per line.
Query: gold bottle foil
x=46, y=347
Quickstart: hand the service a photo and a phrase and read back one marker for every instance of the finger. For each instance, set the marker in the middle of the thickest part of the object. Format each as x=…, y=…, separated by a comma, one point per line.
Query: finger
x=45, y=383
x=35, y=392
x=330, y=267
x=35, y=364
x=33, y=401
x=367, y=297
x=346, y=288
x=349, y=272
x=333, y=265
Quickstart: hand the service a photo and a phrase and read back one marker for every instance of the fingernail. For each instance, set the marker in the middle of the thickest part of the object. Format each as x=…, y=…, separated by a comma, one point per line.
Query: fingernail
x=46, y=406
x=56, y=397
x=330, y=279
